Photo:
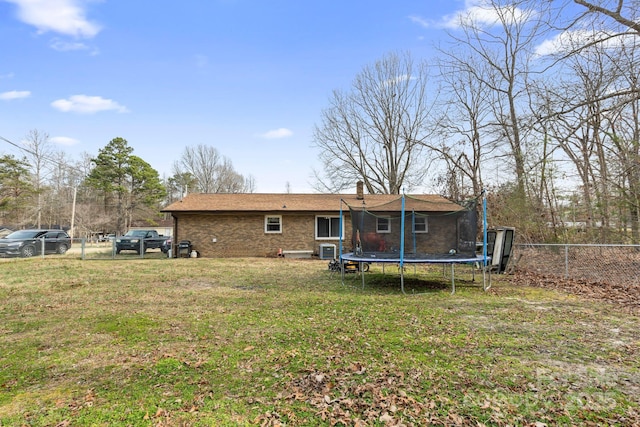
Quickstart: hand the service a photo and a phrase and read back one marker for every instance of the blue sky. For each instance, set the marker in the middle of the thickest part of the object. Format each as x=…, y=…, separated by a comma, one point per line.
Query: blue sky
x=249, y=77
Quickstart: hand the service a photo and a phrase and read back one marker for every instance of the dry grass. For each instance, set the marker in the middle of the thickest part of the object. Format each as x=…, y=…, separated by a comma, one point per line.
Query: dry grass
x=275, y=341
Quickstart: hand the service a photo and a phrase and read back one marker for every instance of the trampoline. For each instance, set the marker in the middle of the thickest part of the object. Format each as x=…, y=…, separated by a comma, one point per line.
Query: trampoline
x=420, y=259
x=417, y=230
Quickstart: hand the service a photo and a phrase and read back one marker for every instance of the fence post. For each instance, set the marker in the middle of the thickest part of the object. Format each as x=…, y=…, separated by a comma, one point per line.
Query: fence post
x=566, y=261
x=83, y=246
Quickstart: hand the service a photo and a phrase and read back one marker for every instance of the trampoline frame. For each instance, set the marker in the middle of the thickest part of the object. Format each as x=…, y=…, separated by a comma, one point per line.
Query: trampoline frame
x=371, y=258
x=401, y=259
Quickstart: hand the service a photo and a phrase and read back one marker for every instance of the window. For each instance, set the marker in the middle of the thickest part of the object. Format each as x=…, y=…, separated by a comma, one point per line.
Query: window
x=52, y=235
x=420, y=224
x=384, y=224
x=273, y=224
x=328, y=227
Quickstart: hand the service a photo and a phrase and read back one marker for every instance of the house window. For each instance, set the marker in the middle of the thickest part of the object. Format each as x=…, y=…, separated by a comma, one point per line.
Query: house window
x=383, y=224
x=420, y=224
x=273, y=224
x=328, y=227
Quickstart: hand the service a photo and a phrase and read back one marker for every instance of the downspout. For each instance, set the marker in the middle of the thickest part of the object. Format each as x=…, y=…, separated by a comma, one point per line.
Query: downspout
x=174, y=240
x=341, y=236
x=413, y=231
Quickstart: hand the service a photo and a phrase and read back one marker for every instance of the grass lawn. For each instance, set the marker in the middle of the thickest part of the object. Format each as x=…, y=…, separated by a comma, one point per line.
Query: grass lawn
x=211, y=342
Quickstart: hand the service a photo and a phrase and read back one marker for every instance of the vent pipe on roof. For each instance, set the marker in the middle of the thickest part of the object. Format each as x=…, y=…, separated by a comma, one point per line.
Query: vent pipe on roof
x=360, y=190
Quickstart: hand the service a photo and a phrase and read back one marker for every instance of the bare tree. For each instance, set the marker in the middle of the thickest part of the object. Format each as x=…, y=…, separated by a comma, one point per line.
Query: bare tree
x=624, y=134
x=39, y=151
x=601, y=24
x=577, y=133
x=505, y=47
x=58, y=205
x=464, y=141
x=91, y=213
x=624, y=13
x=211, y=172
x=249, y=184
x=598, y=132
x=377, y=131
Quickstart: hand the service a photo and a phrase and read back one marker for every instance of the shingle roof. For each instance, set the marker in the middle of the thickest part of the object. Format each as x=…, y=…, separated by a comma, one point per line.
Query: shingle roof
x=262, y=202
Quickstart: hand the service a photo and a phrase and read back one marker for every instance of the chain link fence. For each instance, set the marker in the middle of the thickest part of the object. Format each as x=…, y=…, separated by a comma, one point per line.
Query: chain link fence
x=89, y=249
x=610, y=264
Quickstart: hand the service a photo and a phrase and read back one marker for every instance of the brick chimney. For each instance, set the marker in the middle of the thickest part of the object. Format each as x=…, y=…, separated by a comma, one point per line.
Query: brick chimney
x=360, y=190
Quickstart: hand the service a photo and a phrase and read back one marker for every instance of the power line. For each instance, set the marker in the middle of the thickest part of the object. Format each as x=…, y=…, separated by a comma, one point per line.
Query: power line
x=19, y=147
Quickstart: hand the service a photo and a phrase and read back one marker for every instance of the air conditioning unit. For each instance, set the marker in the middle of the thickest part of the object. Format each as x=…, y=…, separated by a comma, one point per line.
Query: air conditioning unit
x=327, y=251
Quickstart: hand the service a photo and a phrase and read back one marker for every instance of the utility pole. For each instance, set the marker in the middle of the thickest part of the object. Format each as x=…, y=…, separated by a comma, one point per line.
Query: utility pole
x=73, y=212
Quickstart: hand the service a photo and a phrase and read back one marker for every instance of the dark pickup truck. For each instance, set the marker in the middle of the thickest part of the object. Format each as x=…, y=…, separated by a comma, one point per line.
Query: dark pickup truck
x=134, y=240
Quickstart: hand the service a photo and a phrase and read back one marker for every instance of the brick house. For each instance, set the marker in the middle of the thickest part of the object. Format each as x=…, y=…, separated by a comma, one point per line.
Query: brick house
x=261, y=225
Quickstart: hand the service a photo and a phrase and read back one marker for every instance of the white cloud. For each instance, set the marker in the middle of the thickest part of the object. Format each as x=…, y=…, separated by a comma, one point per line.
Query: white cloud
x=65, y=46
x=398, y=80
x=561, y=42
x=479, y=12
x=84, y=104
x=277, y=133
x=63, y=140
x=59, y=16
x=421, y=21
x=570, y=40
x=15, y=94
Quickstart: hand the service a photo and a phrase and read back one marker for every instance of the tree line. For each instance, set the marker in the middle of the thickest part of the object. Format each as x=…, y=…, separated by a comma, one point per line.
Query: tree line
x=536, y=102
x=106, y=193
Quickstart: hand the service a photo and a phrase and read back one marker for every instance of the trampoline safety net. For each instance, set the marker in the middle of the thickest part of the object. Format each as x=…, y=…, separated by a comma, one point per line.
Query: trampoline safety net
x=412, y=227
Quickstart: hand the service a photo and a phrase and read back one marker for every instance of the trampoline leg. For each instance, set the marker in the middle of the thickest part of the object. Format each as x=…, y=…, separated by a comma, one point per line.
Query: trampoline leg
x=453, y=280
x=362, y=275
x=402, y=280
x=486, y=272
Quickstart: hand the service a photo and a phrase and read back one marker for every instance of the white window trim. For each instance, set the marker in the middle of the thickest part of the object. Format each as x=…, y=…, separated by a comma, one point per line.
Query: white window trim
x=388, y=218
x=426, y=227
x=328, y=238
x=266, y=222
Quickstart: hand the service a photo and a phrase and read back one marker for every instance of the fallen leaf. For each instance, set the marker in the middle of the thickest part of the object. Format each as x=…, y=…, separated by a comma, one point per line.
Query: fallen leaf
x=386, y=418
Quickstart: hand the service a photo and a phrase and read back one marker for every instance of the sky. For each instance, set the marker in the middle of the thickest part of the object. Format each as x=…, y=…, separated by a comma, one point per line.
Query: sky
x=248, y=77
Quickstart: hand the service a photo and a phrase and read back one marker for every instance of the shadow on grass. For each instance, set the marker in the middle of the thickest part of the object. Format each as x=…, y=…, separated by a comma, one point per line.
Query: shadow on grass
x=390, y=283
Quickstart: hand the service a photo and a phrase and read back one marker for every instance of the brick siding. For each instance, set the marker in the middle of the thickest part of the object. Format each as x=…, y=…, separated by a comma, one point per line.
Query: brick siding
x=243, y=235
